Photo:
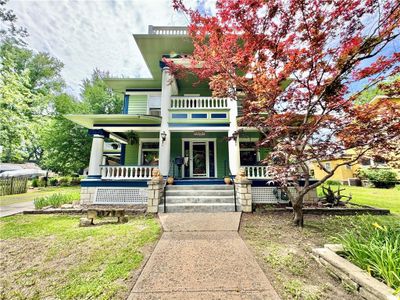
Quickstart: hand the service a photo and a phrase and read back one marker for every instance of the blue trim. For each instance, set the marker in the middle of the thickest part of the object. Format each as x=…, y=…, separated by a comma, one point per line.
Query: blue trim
x=122, y=157
x=99, y=132
x=162, y=64
x=112, y=183
x=198, y=124
x=199, y=116
x=219, y=116
x=125, y=125
x=179, y=116
x=94, y=177
x=126, y=104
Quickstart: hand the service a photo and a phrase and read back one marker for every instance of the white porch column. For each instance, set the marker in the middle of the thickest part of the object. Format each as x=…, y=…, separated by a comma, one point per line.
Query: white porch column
x=165, y=146
x=233, y=146
x=96, y=154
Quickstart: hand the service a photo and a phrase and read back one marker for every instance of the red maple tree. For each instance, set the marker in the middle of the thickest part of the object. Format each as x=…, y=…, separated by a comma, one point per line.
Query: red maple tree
x=291, y=64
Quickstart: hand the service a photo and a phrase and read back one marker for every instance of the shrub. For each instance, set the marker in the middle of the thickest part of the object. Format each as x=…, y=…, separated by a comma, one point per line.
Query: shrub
x=34, y=183
x=64, y=181
x=53, y=181
x=375, y=247
x=333, y=182
x=55, y=200
x=75, y=181
x=381, y=178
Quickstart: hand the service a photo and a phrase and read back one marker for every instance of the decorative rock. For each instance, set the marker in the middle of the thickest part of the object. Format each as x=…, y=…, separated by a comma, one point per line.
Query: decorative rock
x=67, y=206
x=85, y=222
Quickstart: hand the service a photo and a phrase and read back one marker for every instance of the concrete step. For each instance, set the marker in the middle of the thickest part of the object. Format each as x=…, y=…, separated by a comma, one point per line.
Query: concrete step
x=200, y=187
x=198, y=207
x=200, y=199
x=190, y=193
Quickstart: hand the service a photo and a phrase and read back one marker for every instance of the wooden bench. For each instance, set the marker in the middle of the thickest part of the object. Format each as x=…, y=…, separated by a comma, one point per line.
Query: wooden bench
x=103, y=212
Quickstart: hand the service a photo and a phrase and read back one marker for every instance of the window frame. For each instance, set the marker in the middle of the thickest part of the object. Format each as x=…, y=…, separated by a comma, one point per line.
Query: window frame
x=247, y=140
x=140, y=150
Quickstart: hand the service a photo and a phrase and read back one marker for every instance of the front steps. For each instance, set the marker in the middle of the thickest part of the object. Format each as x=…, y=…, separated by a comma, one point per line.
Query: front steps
x=199, y=198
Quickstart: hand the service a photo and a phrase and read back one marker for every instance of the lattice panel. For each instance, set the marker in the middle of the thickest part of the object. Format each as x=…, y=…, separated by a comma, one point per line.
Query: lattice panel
x=121, y=196
x=266, y=195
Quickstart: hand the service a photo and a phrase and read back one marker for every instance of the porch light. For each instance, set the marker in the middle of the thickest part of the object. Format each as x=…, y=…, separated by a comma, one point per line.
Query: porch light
x=163, y=136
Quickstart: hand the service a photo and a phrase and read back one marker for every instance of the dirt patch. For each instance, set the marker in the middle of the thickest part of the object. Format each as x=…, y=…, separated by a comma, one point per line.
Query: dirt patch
x=284, y=254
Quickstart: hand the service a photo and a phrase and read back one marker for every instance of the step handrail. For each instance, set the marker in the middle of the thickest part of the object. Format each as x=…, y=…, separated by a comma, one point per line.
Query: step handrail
x=165, y=196
x=234, y=184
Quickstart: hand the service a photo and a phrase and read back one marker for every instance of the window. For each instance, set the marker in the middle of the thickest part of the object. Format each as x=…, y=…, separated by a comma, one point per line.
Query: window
x=149, y=153
x=218, y=116
x=199, y=116
x=248, y=153
x=348, y=167
x=179, y=116
x=154, y=112
x=327, y=166
x=365, y=161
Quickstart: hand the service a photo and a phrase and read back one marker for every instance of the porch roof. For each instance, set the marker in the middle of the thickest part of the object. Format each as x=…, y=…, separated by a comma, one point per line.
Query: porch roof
x=100, y=121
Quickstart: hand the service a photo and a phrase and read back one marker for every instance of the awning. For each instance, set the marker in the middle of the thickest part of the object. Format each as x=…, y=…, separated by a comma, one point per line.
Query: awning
x=117, y=123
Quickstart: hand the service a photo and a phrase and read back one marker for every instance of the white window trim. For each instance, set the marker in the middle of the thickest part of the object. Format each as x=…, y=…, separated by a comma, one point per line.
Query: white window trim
x=146, y=140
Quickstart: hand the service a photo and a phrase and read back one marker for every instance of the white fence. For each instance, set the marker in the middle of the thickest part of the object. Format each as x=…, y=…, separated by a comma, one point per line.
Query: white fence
x=268, y=195
x=199, y=103
x=168, y=30
x=126, y=172
x=256, y=172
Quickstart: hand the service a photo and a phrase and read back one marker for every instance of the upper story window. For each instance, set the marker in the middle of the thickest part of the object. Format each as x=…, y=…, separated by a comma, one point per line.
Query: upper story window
x=365, y=161
x=327, y=166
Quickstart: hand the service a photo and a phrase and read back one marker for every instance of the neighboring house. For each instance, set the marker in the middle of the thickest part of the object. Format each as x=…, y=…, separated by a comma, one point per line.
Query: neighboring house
x=346, y=173
x=178, y=128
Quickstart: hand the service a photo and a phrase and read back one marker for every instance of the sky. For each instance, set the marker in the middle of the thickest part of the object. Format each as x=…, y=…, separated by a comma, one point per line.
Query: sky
x=89, y=34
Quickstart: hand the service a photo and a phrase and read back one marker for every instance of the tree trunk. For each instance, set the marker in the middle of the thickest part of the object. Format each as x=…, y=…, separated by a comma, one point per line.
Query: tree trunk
x=297, y=204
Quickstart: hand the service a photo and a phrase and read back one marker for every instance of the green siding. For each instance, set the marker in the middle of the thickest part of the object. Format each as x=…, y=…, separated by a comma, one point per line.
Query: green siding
x=132, y=151
x=137, y=105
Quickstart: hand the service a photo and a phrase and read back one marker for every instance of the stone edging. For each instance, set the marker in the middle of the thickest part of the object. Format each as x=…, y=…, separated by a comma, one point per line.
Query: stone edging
x=343, y=211
x=367, y=287
x=75, y=211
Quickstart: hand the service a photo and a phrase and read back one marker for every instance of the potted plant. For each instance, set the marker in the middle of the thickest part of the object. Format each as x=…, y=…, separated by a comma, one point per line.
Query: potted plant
x=132, y=137
x=227, y=180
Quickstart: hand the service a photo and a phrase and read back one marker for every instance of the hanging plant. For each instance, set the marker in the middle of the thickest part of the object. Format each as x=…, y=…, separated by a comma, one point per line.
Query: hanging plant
x=132, y=137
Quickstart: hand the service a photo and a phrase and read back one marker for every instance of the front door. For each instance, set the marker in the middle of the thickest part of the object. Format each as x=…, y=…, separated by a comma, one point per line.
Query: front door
x=199, y=159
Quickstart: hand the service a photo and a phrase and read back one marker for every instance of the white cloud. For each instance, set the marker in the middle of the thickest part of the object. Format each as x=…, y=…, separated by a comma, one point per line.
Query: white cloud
x=93, y=34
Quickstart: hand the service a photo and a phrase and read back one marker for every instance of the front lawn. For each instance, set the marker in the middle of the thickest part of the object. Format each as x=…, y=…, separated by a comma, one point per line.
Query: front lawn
x=284, y=252
x=50, y=257
x=36, y=193
x=382, y=198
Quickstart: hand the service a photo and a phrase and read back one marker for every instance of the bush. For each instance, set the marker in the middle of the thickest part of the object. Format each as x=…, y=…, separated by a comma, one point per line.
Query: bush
x=53, y=181
x=381, y=178
x=333, y=182
x=56, y=200
x=34, y=183
x=75, y=181
x=375, y=247
x=64, y=181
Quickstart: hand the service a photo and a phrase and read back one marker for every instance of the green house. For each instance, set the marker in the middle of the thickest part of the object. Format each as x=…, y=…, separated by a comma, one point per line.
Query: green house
x=170, y=124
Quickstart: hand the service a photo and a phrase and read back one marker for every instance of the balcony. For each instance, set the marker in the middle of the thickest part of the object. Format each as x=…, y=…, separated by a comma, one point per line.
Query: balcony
x=126, y=172
x=256, y=172
x=199, y=103
x=168, y=30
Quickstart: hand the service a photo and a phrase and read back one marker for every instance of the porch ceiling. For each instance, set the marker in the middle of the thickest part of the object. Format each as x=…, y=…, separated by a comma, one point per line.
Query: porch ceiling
x=116, y=121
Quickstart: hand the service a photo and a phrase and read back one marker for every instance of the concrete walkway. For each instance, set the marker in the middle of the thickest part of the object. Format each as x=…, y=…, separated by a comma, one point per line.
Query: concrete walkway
x=12, y=209
x=202, y=256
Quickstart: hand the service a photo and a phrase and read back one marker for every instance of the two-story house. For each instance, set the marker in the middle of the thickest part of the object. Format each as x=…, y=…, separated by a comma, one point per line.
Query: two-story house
x=176, y=126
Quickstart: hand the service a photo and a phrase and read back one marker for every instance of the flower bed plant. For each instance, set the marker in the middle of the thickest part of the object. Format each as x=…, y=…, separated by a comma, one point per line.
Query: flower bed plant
x=56, y=200
x=375, y=247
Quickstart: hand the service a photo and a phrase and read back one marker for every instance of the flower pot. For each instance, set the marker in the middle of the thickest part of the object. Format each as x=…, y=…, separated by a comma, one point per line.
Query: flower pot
x=227, y=180
x=170, y=180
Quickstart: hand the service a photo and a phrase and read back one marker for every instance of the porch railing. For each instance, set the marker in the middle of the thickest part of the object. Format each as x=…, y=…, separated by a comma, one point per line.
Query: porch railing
x=126, y=172
x=199, y=103
x=168, y=30
x=256, y=172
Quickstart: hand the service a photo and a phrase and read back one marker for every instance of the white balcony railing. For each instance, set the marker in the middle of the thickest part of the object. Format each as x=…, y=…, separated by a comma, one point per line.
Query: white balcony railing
x=256, y=172
x=168, y=30
x=126, y=172
x=199, y=103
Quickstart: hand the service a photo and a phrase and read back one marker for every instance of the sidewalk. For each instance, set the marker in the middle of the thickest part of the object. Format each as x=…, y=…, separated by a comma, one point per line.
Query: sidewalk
x=12, y=209
x=201, y=256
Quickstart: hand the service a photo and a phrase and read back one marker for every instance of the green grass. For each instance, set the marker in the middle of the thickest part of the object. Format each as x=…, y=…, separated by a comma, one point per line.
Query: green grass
x=50, y=256
x=382, y=198
x=374, y=245
x=32, y=194
x=56, y=200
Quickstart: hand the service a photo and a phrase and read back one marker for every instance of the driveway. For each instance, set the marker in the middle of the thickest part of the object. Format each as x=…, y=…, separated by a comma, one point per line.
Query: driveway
x=202, y=256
